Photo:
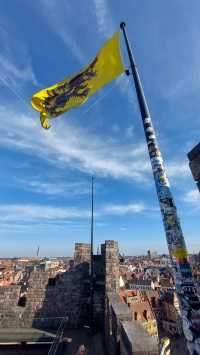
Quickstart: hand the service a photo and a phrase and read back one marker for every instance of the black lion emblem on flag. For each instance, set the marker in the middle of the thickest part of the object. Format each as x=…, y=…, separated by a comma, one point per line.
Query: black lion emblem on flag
x=75, y=87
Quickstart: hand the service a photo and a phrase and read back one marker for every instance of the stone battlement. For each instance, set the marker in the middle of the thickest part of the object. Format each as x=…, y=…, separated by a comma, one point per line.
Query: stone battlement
x=48, y=297
x=123, y=334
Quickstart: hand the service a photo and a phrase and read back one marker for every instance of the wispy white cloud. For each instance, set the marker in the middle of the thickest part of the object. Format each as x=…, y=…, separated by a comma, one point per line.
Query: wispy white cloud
x=177, y=169
x=131, y=208
x=33, y=212
x=75, y=147
x=21, y=214
x=192, y=196
x=55, y=188
x=59, y=16
x=104, y=19
x=67, y=145
x=123, y=229
x=15, y=69
x=130, y=132
x=13, y=74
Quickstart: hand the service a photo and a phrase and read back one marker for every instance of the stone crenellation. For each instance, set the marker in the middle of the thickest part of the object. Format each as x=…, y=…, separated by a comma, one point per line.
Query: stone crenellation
x=82, y=253
x=50, y=296
x=111, y=264
x=122, y=333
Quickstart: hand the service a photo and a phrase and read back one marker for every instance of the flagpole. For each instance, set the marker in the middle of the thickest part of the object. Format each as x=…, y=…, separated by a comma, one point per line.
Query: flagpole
x=92, y=259
x=187, y=293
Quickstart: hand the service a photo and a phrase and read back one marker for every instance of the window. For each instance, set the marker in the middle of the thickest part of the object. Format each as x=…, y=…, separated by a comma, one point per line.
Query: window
x=145, y=314
x=153, y=301
x=52, y=281
x=22, y=301
x=135, y=315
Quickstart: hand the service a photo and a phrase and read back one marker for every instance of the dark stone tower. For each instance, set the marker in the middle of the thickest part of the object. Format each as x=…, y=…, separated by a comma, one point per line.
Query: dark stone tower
x=194, y=162
x=110, y=255
x=82, y=253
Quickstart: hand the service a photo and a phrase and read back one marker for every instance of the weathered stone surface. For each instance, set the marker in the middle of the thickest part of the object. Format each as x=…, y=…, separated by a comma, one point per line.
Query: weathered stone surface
x=137, y=340
x=111, y=260
x=51, y=297
x=124, y=334
x=46, y=305
x=119, y=308
x=82, y=253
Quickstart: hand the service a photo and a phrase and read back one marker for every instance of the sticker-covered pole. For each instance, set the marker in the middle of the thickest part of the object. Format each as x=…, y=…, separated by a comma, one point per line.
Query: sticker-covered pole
x=92, y=260
x=185, y=287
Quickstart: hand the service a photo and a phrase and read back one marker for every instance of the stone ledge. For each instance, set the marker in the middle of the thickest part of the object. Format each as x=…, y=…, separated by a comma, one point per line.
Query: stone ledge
x=120, y=309
x=137, y=339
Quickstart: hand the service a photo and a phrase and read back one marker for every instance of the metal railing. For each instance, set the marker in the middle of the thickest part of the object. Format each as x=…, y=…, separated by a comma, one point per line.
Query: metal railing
x=59, y=336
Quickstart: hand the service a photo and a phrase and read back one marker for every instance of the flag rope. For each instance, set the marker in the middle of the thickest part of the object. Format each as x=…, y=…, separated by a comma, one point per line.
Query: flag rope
x=100, y=98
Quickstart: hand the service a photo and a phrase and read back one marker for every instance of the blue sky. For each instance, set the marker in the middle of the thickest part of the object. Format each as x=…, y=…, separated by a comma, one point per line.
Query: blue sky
x=45, y=175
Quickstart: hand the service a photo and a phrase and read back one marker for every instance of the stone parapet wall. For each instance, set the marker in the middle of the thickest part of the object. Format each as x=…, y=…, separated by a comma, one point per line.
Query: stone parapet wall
x=50, y=297
x=124, y=334
x=9, y=296
x=47, y=302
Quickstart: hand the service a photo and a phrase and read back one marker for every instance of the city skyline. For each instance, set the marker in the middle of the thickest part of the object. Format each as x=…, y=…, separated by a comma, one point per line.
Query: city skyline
x=46, y=176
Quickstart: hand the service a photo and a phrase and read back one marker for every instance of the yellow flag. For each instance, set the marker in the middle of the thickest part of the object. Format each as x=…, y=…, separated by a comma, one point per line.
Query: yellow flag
x=75, y=90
